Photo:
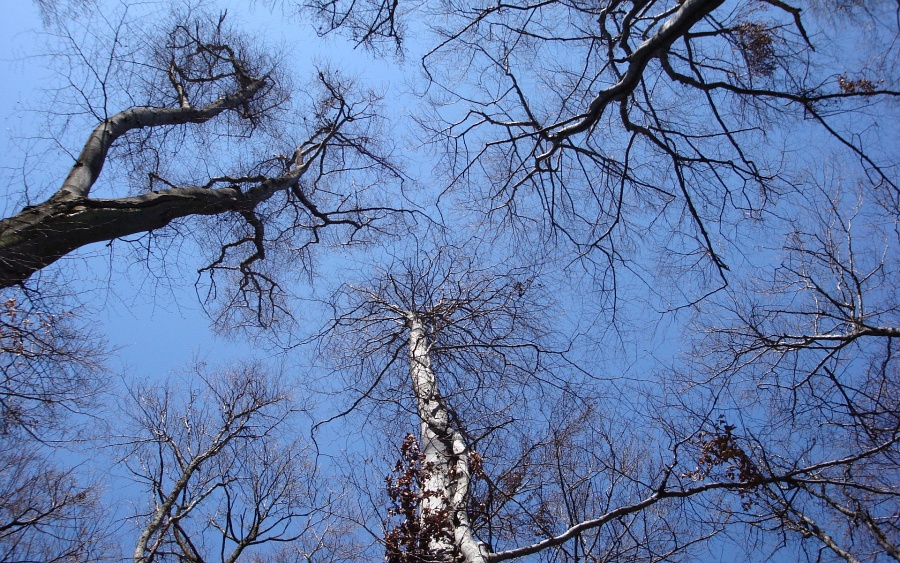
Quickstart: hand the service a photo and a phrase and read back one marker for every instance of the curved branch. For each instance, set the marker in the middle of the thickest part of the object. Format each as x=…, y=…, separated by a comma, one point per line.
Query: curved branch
x=689, y=13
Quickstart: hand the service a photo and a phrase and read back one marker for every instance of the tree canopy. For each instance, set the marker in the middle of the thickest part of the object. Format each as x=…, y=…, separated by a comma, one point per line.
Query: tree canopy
x=559, y=281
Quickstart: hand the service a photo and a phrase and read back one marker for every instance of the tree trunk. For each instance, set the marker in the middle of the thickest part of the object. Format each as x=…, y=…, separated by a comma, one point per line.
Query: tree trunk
x=446, y=455
x=41, y=235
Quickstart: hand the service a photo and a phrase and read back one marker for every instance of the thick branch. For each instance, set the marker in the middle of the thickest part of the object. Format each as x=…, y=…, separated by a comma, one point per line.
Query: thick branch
x=790, y=477
x=620, y=512
x=40, y=235
x=86, y=170
x=690, y=12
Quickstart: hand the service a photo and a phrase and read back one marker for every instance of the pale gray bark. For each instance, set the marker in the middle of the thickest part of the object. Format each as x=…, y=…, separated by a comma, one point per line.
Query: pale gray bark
x=167, y=513
x=445, y=450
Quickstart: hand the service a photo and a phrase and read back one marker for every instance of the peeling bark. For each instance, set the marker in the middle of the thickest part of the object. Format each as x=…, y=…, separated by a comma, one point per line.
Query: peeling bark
x=445, y=451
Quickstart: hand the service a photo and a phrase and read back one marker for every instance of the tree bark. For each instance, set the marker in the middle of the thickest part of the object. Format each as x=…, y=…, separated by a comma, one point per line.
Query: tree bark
x=446, y=453
x=41, y=235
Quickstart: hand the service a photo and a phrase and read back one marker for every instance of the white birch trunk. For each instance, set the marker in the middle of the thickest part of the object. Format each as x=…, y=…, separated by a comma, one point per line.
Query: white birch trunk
x=445, y=451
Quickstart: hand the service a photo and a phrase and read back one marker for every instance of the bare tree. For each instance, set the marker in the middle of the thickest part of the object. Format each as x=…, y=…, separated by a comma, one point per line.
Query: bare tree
x=51, y=366
x=813, y=343
x=633, y=130
x=661, y=144
x=223, y=478
x=51, y=373
x=46, y=513
x=195, y=121
x=443, y=312
x=666, y=144
x=515, y=456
